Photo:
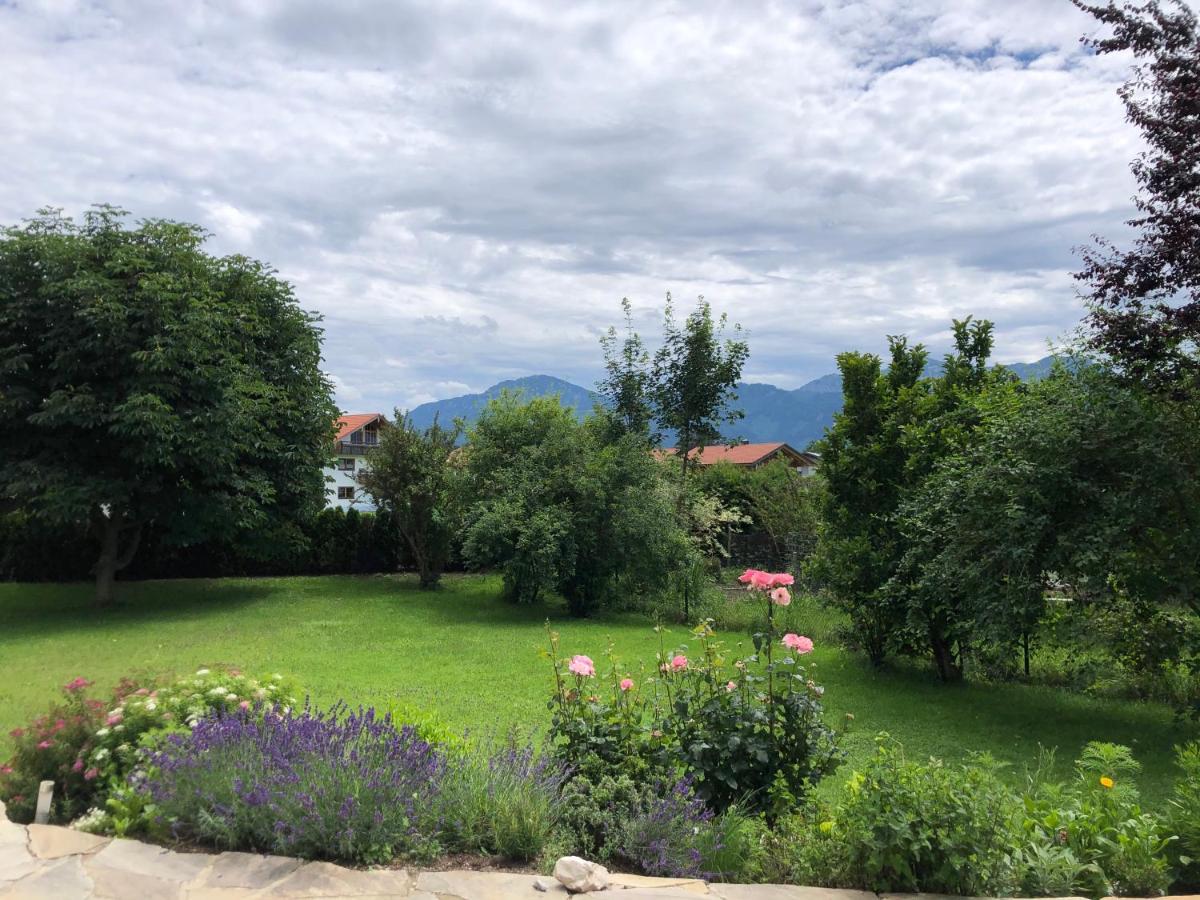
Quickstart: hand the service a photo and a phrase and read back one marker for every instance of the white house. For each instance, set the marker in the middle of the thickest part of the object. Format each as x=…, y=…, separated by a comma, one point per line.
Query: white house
x=357, y=433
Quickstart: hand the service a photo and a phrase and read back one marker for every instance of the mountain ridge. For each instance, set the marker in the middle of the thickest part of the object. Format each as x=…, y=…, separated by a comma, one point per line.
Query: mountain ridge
x=797, y=416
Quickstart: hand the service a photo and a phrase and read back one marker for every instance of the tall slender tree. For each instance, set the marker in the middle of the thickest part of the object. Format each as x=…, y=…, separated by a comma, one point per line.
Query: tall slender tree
x=628, y=383
x=696, y=372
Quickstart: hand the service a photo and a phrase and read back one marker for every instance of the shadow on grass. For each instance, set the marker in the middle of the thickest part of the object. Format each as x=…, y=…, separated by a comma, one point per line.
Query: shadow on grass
x=42, y=609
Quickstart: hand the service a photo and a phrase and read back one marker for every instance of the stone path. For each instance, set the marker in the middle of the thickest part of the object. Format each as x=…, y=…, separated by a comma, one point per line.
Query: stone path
x=45, y=862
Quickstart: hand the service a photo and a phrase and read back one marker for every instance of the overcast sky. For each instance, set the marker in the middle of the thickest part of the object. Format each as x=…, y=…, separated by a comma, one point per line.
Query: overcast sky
x=465, y=191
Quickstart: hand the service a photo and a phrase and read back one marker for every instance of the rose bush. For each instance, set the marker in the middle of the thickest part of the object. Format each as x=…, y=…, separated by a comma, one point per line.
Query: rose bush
x=747, y=729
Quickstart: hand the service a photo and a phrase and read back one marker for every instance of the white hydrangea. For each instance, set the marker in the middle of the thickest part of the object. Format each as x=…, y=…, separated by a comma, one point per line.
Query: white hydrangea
x=101, y=732
x=217, y=692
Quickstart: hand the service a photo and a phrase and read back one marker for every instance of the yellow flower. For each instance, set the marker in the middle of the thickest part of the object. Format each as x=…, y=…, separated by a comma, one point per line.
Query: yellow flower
x=1106, y=782
x=826, y=827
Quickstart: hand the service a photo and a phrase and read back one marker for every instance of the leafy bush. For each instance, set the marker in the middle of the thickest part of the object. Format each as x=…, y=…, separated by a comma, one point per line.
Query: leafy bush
x=339, y=784
x=660, y=828
x=89, y=747
x=502, y=800
x=54, y=748
x=750, y=731
x=929, y=827
x=1183, y=814
x=1121, y=848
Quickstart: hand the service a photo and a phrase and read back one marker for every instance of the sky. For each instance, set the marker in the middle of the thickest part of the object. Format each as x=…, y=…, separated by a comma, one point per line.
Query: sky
x=465, y=191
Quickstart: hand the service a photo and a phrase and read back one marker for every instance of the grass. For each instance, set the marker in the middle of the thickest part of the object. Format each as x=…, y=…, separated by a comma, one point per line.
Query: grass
x=475, y=661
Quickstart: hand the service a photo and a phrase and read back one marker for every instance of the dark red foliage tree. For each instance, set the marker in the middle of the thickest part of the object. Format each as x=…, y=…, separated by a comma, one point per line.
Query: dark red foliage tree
x=1144, y=301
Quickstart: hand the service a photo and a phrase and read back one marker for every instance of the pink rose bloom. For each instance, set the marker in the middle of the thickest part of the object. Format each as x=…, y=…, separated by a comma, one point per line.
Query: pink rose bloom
x=730, y=686
x=45, y=745
x=762, y=581
x=60, y=724
x=782, y=579
x=582, y=665
x=5, y=770
x=798, y=642
x=245, y=704
x=90, y=774
x=114, y=719
x=78, y=767
x=78, y=684
x=780, y=596
x=747, y=577
x=626, y=684
x=679, y=663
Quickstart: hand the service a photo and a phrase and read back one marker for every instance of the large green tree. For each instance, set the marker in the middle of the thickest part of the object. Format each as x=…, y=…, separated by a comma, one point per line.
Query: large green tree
x=410, y=475
x=557, y=504
x=145, y=383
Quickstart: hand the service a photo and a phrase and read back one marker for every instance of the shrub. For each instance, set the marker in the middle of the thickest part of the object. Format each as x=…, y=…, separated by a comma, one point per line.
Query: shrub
x=337, y=784
x=1183, y=814
x=670, y=835
x=906, y=826
x=1098, y=817
x=750, y=731
x=501, y=800
x=54, y=747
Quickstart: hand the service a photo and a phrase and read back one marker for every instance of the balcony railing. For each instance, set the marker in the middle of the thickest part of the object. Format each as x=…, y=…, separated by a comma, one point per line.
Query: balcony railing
x=345, y=448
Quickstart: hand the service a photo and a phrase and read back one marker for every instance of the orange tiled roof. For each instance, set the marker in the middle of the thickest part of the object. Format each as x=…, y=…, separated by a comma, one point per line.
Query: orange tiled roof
x=351, y=422
x=738, y=454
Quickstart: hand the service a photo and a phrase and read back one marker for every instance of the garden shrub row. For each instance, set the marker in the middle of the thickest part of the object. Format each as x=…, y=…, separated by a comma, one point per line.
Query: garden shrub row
x=701, y=762
x=332, y=542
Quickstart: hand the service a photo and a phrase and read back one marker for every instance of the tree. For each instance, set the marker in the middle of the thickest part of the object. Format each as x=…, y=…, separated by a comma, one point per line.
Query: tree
x=145, y=383
x=563, y=505
x=628, y=385
x=1144, y=302
x=864, y=464
x=695, y=373
x=410, y=476
x=1080, y=476
x=941, y=424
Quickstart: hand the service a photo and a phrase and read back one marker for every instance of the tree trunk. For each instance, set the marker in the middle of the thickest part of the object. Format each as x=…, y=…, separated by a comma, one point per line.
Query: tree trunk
x=948, y=668
x=113, y=557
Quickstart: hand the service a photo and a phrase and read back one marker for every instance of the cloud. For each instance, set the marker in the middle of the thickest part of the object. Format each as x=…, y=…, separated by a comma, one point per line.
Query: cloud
x=465, y=191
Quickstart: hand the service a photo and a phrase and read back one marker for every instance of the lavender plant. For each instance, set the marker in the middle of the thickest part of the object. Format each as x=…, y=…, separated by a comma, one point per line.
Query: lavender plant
x=503, y=800
x=339, y=784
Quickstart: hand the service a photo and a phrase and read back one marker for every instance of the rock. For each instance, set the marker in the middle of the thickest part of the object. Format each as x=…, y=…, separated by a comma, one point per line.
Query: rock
x=53, y=842
x=579, y=876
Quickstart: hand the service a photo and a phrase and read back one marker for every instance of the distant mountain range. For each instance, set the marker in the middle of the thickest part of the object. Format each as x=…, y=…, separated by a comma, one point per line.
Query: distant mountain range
x=798, y=416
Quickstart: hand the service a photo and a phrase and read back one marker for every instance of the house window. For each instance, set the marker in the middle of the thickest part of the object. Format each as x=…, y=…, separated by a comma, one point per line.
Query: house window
x=345, y=493
x=346, y=465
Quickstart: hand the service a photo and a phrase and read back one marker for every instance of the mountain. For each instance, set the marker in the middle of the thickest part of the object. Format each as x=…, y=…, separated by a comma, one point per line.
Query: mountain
x=798, y=416
x=469, y=405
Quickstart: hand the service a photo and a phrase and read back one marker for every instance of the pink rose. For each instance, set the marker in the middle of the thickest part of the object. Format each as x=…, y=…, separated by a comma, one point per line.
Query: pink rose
x=798, y=643
x=245, y=704
x=780, y=596
x=78, y=766
x=114, y=719
x=783, y=579
x=762, y=581
x=679, y=663
x=747, y=577
x=72, y=687
x=626, y=684
x=730, y=686
x=582, y=665
x=90, y=774
x=45, y=745
x=5, y=770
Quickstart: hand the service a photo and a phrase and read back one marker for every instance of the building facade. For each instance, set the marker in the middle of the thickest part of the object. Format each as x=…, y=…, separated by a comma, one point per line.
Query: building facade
x=357, y=435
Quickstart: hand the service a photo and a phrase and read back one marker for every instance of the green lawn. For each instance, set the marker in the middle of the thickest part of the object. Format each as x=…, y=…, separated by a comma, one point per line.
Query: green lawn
x=474, y=659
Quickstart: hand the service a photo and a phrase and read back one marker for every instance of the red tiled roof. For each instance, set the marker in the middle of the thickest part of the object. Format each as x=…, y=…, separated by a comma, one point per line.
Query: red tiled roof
x=350, y=423
x=738, y=454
